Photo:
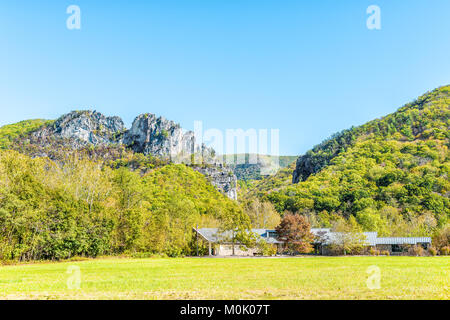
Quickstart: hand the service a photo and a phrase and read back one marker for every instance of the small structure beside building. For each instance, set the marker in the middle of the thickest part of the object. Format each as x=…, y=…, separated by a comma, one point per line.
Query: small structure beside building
x=219, y=244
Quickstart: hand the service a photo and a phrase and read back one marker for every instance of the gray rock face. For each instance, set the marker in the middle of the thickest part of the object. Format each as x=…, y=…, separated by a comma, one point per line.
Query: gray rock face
x=304, y=168
x=148, y=135
x=222, y=178
x=163, y=138
x=166, y=139
x=84, y=128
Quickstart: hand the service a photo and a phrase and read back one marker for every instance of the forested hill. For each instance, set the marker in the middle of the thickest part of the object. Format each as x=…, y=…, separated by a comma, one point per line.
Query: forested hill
x=425, y=118
x=390, y=175
x=70, y=187
x=57, y=210
x=12, y=132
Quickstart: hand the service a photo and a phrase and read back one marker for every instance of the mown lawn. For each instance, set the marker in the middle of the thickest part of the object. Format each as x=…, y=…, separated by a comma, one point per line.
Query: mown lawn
x=214, y=278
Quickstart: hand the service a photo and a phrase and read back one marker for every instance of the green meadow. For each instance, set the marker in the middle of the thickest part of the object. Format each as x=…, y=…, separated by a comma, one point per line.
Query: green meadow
x=228, y=278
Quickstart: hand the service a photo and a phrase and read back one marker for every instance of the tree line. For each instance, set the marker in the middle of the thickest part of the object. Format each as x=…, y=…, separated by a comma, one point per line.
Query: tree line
x=79, y=207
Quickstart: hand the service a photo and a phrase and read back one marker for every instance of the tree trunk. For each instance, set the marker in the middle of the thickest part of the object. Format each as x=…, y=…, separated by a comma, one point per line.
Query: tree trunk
x=233, y=245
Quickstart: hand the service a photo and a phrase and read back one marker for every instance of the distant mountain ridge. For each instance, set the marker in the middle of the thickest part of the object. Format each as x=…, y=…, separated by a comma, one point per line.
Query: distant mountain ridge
x=265, y=165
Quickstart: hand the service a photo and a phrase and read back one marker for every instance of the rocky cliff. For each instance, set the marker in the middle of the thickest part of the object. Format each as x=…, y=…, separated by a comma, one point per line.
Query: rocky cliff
x=163, y=138
x=148, y=134
x=221, y=177
x=81, y=128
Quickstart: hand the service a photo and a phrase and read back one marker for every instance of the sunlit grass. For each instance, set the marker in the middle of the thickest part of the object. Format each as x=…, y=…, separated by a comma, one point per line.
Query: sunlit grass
x=194, y=278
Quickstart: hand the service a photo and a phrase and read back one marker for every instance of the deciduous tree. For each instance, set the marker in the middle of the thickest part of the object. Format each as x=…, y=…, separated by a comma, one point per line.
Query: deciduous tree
x=295, y=231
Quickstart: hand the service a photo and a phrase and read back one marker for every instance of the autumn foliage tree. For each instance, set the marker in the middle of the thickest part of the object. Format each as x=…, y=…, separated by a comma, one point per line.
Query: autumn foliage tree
x=295, y=231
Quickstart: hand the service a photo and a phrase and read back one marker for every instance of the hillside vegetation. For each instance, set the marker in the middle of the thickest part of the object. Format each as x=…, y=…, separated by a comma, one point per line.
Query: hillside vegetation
x=77, y=207
x=390, y=175
x=11, y=132
x=425, y=118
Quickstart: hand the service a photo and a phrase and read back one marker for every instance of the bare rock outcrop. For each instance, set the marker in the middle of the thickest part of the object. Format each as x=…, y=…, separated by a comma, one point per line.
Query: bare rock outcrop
x=163, y=138
x=81, y=128
x=149, y=135
x=221, y=177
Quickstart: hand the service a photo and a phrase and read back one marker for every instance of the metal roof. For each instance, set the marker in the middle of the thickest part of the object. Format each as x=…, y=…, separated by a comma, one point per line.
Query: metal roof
x=331, y=237
x=408, y=240
x=211, y=235
x=371, y=238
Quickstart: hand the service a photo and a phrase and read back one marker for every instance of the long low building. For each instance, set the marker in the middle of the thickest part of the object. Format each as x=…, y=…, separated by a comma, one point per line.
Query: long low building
x=395, y=245
x=220, y=244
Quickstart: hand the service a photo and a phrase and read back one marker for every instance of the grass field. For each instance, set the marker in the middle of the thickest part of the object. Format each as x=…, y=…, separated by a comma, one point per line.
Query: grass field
x=203, y=278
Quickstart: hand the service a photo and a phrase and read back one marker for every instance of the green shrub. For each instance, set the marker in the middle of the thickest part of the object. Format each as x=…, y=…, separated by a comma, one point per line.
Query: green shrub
x=174, y=252
x=270, y=250
x=372, y=251
x=417, y=251
x=432, y=251
x=445, y=251
x=11, y=132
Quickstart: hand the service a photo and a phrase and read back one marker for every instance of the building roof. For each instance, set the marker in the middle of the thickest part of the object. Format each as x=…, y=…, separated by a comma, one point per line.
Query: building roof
x=212, y=235
x=209, y=234
x=408, y=240
x=329, y=236
x=371, y=238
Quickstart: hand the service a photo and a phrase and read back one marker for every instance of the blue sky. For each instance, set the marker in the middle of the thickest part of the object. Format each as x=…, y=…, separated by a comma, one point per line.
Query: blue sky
x=308, y=68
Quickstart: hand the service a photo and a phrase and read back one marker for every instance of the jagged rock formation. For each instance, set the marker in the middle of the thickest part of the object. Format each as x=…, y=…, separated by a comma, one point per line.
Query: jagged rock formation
x=221, y=177
x=81, y=128
x=166, y=139
x=149, y=135
x=163, y=138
